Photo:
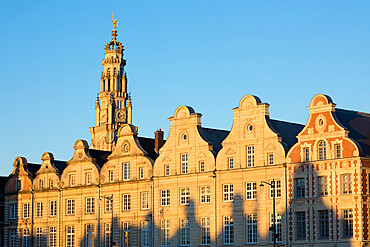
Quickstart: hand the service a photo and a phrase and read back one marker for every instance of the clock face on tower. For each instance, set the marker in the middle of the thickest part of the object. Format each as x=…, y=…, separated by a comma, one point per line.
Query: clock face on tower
x=120, y=115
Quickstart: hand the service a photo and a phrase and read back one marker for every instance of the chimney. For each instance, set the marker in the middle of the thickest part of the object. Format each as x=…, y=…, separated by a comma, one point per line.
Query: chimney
x=158, y=143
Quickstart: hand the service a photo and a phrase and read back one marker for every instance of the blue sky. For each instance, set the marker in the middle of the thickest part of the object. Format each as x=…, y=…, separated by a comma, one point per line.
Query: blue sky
x=206, y=54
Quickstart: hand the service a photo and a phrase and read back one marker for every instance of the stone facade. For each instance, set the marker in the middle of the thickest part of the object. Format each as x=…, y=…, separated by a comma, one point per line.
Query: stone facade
x=201, y=186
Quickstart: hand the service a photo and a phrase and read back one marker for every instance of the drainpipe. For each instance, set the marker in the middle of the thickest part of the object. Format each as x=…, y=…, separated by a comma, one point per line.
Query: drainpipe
x=98, y=227
x=215, y=200
x=59, y=209
x=152, y=216
x=286, y=205
x=32, y=192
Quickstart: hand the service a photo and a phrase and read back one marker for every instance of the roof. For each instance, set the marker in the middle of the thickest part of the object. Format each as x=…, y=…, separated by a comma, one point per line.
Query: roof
x=148, y=144
x=100, y=156
x=214, y=136
x=358, y=124
x=60, y=165
x=288, y=131
x=3, y=181
x=33, y=168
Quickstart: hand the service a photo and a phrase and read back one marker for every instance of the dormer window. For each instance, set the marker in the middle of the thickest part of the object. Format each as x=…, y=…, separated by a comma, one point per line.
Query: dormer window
x=321, y=150
x=41, y=184
x=51, y=183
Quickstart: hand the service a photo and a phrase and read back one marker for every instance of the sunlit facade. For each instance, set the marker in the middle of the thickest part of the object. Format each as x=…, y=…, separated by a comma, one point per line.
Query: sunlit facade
x=200, y=186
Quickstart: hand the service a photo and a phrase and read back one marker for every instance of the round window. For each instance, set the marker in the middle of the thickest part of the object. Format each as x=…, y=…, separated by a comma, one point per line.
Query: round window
x=321, y=122
x=184, y=137
x=250, y=128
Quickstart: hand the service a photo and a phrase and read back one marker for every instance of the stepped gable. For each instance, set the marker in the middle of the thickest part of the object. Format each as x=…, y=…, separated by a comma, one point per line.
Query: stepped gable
x=358, y=124
x=288, y=131
x=100, y=156
x=214, y=136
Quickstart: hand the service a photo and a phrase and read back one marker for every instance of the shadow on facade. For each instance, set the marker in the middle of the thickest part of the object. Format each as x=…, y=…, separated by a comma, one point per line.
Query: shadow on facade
x=312, y=214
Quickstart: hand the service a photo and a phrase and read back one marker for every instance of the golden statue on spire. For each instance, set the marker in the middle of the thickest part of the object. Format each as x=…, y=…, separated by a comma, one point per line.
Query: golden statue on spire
x=114, y=21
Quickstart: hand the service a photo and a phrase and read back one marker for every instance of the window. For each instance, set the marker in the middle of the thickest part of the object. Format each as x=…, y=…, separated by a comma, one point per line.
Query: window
x=277, y=189
x=144, y=200
x=39, y=209
x=251, y=190
x=19, y=185
x=277, y=227
x=228, y=192
x=70, y=206
x=299, y=187
x=26, y=210
x=165, y=232
x=89, y=233
x=231, y=163
x=324, y=224
x=126, y=171
x=323, y=185
x=52, y=236
x=322, y=150
x=306, y=154
x=346, y=184
x=205, y=224
x=144, y=233
x=347, y=223
x=165, y=197
x=300, y=218
x=201, y=166
x=184, y=163
x=72, y=180
x=13, y=211
x=108, y=203
x=126, y=233
x=166, y=170
x=270, y=158
x=205, y=194
x=53, y=209
x=250, y=156
x=108, y=235
x=89, y=206
x=228, y=230
x=41, y=184
x=38, y=240
x=184, y=196
x=126, y=202
x=184, y=232
x=141, y=172
x=338, y=151
x=26, y=238
x=12, y=237
x=111, y=176
x=251, y=225
x=51, y=183
x=88, y=178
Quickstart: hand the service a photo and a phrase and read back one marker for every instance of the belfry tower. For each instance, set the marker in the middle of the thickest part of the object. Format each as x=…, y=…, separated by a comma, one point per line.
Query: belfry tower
x=113, y=105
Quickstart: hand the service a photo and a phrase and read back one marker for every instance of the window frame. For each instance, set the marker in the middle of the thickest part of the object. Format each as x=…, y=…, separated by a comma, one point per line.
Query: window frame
x=205, y=194
x=228, y=192
x=250, y=191
x=165, y=198
x=251, y=232
x=184, y=163
x=126, y=202
x=250, y=156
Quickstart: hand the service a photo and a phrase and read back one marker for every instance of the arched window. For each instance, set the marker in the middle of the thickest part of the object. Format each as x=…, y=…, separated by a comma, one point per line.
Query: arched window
x=321, y=150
